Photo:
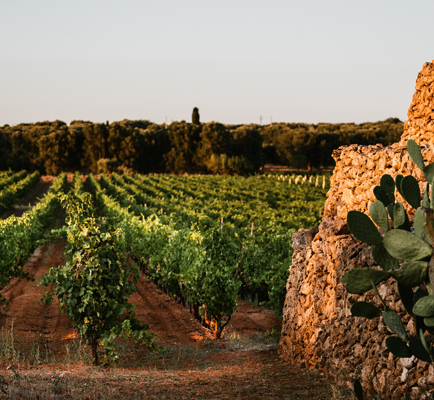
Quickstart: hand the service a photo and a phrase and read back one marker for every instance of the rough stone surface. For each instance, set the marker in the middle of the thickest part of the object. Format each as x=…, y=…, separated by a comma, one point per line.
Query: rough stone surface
x=318, y=329
x=359, y=169
x=420, y=123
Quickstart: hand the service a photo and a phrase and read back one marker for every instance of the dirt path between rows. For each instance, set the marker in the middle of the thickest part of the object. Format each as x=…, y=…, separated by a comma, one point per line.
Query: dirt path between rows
x=28, y=317
x=168, y=320
x=173, y=324
x=32, y=197
x=50, y=363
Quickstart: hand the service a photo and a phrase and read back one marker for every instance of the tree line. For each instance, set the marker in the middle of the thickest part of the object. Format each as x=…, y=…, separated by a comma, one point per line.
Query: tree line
x=311, y=145
x=142, y=146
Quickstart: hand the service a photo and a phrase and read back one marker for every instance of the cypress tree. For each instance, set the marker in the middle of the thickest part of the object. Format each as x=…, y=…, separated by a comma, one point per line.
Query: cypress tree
x=195, y=117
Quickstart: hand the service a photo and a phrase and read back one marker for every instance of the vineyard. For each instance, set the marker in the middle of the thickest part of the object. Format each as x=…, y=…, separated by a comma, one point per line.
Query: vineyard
x=205, y=241
x=209, y=240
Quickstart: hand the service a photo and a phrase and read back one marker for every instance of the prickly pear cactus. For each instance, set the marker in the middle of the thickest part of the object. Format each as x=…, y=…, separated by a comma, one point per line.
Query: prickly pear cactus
x=404, y=252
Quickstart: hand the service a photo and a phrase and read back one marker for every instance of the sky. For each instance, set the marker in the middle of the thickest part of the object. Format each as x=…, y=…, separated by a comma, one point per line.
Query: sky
x=237, y=61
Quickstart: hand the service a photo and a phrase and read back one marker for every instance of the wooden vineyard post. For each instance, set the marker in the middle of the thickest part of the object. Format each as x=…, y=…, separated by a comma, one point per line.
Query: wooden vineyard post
x=251, y=233
x=221, y=225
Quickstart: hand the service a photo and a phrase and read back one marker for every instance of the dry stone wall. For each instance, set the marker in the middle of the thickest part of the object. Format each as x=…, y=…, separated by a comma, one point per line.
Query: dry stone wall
x=318, y=329
x=420, y=123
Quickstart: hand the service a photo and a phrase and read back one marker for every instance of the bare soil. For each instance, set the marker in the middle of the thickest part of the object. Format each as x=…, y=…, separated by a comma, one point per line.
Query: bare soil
x=171, y=323
x=189, y=365
x=31, y=198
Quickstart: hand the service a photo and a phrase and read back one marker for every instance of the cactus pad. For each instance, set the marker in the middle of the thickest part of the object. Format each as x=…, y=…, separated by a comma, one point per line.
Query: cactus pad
x=418, y=349
x=411, y=191
x=407, y=297
x=431, y=200
x=428, y=226
x=390, y=209
x=428, y=348
x=383, y=258
x=366, y=310
x=379, y=215
x=418, y=294
x=394, y=323
x=358, y=390
x=381, y=195
x=397, y=347
x=418, y=222
x=359, y=280
x=398, y=183
x=415, y=154
x=388, y=184
x=411, y=273
x=403, y=245
x=362, y=227
x=424, y=307
x=398, y=215
x=429, y=173
x=425, y=199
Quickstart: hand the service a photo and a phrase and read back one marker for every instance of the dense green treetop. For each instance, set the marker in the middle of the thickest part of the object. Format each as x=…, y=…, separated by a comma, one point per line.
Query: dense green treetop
x=141, y=146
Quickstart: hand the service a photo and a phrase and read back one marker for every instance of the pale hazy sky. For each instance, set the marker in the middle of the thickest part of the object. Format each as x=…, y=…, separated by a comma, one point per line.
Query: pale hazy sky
x=298, y=61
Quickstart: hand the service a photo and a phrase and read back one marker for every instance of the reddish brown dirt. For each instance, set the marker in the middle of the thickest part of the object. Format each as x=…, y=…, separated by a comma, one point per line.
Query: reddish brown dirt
x=189, y=365
x=32, y=197
x=29, y=318
x=256, y=376
x=249, y=320
x=173, y=324
x=169, y=321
